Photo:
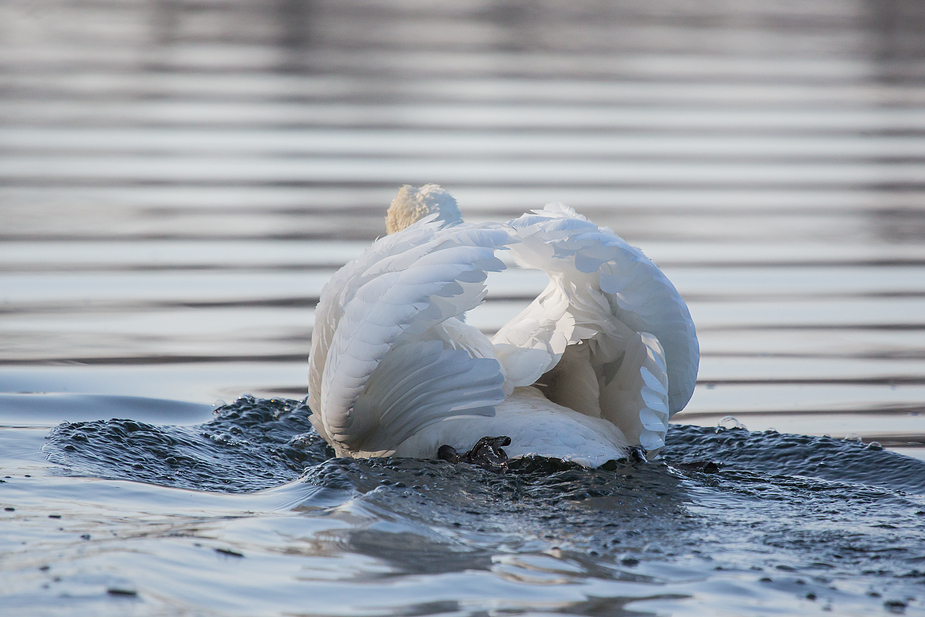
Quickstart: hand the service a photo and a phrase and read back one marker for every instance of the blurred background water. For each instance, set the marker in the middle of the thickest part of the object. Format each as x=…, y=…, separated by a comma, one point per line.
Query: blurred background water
x=179, y=178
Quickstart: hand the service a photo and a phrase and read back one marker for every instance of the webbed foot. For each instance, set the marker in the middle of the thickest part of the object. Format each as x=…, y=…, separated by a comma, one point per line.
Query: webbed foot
x=638, y=454
x=448, y=453
x=486, y=453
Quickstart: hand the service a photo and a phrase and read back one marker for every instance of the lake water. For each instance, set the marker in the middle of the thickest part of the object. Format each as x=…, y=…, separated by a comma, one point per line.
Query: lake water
x=179, y=179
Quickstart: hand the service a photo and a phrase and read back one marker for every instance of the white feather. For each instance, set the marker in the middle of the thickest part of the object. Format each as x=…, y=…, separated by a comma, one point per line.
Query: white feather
x=598, y=362
x=417, y=384
x=399, y=295
x=596, y=268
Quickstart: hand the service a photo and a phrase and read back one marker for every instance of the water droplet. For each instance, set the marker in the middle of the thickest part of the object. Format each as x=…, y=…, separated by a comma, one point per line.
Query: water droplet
x=852, y=437
x=729, y=423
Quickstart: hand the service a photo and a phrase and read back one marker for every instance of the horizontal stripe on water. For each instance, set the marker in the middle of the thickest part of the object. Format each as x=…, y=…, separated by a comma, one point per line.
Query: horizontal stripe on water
x=457, y=145
x=755, y=399
x=891, y=430
x=206, y=382
x=412, y=115
x=139, y=335
x=176, y=254
x=115, y=255
x=98, y=83
x=794, y=371
x=497, y=202
x=872, y=286
x=619, y=62
x=823, y=343
x=260, y=170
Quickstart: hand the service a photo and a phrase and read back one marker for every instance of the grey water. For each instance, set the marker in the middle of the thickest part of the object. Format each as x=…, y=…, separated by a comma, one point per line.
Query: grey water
x=179, y=179
x=249, y=512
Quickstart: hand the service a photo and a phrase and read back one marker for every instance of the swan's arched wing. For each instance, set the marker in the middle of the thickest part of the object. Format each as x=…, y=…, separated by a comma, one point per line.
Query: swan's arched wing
x=604, y=294
x=342, y=287
x=386, y=371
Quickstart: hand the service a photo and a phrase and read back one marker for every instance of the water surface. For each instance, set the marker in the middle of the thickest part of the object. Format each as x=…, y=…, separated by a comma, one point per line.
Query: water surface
x=179, y=179
x=250, y=513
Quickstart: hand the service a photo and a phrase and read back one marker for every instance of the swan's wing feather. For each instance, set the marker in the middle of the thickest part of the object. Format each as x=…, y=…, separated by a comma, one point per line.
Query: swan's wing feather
x=344, y=285
x=419, y=383
x=599, y=283
x=392, y=253
x=636, y=398
x=396, y=301
x=650, y=303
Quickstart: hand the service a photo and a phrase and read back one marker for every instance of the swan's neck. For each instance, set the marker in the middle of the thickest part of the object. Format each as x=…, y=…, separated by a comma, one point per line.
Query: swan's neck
x=412, y=204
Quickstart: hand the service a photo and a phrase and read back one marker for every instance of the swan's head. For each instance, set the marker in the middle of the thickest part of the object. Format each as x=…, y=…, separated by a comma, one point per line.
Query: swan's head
x=412, y=204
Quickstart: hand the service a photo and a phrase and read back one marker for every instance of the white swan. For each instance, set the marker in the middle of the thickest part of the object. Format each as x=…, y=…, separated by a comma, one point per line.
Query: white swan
x=595, y=365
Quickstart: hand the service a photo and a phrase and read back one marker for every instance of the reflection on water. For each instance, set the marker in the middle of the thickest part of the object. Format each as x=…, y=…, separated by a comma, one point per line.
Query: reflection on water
x=179, y=179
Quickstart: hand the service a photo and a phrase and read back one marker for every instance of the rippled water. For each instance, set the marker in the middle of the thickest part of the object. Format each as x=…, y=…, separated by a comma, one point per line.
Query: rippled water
x=249, y=513
x=178, y=180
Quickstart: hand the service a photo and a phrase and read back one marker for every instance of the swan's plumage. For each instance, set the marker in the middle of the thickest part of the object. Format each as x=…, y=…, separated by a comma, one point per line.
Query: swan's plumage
x=383, y=322
x=611, y=301
x=597, y=363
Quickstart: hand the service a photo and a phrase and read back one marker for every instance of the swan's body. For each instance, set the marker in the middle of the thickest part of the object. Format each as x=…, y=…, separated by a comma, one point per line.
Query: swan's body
x=595, y=365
